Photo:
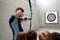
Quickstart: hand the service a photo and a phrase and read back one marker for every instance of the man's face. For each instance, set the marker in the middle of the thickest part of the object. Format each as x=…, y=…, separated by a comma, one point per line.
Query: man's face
x=19, y=13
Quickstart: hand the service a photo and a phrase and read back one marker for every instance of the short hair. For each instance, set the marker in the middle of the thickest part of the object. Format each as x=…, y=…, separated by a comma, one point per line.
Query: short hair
x=55, y=36
x=19, y=8
x=21, y=36
x=44, y=35
x=31, y=35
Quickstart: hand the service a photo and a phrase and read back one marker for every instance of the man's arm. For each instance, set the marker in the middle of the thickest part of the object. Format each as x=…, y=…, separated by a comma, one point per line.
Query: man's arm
x=10, y=21
x=24, y=19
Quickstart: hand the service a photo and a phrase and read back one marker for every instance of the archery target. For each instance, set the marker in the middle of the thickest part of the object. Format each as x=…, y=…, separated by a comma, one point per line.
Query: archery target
x=51, y=17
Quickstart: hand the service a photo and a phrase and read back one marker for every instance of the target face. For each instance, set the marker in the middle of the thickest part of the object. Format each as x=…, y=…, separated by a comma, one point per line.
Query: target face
x=51, y=17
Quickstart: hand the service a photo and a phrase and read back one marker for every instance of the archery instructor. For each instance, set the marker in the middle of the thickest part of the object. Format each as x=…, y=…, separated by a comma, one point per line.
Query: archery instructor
x=15, y=21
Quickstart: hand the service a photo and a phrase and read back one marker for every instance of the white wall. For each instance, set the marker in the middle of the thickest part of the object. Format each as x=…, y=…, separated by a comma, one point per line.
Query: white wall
x=7, y=8
x=47, y=6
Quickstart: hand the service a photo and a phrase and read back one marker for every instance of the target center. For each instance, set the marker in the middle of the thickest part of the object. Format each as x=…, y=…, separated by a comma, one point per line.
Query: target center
x=51, y=17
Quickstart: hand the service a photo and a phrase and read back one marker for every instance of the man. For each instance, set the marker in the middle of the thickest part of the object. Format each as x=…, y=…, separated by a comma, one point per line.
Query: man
x=15, y=22
x=55, y=36
x=21, y=36
x=31, y=35
x=44, y=35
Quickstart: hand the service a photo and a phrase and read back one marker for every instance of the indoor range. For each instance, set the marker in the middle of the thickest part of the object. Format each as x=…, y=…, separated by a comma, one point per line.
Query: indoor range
x=29, y=19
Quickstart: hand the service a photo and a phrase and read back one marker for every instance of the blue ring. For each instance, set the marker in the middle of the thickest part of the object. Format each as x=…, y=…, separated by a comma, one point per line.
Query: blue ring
x=48, y=17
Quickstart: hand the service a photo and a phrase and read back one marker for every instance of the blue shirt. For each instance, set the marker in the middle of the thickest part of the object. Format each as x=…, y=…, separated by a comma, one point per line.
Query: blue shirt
x=15, y=25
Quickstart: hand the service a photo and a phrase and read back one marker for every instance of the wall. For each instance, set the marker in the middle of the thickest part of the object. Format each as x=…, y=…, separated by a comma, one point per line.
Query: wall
x=47, y=6
x=7, y=8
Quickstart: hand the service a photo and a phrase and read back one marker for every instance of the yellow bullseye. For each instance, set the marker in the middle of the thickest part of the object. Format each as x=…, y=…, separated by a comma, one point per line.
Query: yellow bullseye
x=51, y=17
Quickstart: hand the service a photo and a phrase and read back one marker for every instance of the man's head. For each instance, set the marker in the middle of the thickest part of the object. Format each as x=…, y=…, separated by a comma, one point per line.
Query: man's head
x=31, y=35
x=55, y=36
x=19, y=12
x=21, y=36
x=44, y=35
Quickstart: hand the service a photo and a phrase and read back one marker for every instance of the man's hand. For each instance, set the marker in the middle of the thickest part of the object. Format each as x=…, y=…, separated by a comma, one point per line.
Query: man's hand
x=29, y=18
x=25, y=19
